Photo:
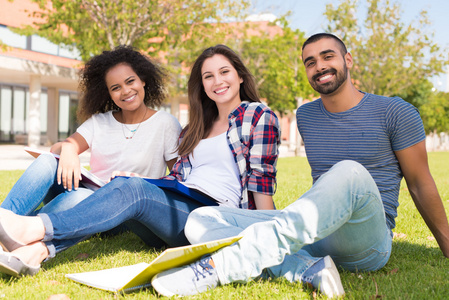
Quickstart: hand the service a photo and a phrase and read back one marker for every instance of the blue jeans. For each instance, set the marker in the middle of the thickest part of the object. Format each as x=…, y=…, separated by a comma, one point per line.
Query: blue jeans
x=342, y=215
x=158, y=215
x=38, y=185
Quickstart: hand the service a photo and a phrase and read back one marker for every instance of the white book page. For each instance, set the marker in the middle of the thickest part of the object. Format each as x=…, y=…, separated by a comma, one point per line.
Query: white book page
x=110, y=279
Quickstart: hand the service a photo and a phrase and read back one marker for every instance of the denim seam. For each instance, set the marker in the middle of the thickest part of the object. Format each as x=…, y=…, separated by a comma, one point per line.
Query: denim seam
x=48, y=225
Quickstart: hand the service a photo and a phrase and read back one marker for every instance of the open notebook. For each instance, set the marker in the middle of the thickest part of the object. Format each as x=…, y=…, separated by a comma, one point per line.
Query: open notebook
x=129, y=278
x=89, y=180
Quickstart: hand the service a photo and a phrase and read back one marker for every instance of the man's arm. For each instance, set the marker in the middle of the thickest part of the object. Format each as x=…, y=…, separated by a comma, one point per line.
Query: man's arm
x=414, y=165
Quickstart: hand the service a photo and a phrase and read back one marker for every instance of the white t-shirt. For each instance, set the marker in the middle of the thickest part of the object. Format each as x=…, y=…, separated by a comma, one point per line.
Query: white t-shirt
x=216, y=175
x=154, y=143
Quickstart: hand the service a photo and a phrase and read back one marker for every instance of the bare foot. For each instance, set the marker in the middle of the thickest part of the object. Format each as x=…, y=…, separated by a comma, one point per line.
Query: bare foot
x=32, y=254
x=21, y=229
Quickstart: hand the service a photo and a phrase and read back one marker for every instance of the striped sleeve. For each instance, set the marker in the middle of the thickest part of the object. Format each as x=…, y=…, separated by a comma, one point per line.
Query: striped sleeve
x=404, y=125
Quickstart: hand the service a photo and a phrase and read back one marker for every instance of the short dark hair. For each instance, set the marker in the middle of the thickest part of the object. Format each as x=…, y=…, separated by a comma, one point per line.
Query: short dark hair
x=324, y=35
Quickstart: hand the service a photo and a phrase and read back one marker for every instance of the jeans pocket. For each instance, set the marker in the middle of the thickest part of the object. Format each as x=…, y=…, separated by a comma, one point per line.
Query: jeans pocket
x=370, y=260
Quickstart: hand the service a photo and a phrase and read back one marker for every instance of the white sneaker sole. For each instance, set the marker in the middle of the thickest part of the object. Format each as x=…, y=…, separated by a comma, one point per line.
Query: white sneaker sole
x=159, y=288
x=330, y=280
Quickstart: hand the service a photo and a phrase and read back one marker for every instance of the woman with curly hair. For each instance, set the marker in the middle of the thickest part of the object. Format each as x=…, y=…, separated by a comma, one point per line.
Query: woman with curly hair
x=119, y=91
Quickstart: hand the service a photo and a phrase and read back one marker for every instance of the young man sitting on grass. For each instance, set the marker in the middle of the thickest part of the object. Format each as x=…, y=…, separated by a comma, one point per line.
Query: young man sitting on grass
x=359, y=147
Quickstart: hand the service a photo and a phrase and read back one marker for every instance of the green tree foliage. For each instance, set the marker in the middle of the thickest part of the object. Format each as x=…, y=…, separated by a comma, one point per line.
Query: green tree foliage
x=435, y=113
x=95, y=25
x=181, y=29
x=418, y=94
x=390, y=57
x=276, y=64
x=3, y=46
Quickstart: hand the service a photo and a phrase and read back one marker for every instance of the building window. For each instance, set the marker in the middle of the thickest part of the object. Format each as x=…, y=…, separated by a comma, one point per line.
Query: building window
x=65, y=51
x=12, y=39
x=14, y=106
x=36, y=43
x=68, y=104
x=18, y=111
x=43, y=45
x=40, y=44
x=5, y=113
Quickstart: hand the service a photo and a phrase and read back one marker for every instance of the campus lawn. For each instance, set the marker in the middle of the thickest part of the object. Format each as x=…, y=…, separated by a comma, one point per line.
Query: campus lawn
x=416, y=270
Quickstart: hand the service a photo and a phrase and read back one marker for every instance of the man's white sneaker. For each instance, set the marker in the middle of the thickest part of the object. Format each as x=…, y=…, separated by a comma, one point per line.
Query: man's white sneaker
x=187, y=280
x=324, y=276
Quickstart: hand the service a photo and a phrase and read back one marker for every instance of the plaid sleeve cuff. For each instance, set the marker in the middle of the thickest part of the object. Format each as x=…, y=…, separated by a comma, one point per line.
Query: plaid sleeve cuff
x=262, y=183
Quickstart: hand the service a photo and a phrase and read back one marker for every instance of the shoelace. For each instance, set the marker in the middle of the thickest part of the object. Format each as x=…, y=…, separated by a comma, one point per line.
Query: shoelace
x=206, y=268
x=308, y=279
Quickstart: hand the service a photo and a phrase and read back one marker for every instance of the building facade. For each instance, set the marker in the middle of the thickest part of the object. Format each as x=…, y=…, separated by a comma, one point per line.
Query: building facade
x=38, y=82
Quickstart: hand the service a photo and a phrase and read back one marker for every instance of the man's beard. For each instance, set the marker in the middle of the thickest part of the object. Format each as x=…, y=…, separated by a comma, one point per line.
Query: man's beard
x=331, y=86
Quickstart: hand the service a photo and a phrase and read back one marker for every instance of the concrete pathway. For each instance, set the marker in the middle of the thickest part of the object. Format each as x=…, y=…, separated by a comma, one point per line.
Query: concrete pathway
x=13, y=157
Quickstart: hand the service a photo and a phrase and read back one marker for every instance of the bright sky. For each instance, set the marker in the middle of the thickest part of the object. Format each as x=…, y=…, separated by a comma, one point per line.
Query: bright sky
x=308, y=16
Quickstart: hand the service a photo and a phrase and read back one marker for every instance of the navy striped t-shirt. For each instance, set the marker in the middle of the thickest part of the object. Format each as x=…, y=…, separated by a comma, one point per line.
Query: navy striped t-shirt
x=368, y=133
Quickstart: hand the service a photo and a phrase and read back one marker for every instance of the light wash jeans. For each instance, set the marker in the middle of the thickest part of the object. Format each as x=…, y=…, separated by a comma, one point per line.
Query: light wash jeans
x=38, y=185
x=159, y=215
x=342, y=215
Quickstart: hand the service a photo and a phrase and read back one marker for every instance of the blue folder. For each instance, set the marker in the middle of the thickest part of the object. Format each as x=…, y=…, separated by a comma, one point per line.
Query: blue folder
x=176, y=187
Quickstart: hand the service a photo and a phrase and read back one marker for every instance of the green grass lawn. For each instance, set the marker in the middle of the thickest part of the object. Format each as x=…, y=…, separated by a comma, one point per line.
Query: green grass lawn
x=416, y=270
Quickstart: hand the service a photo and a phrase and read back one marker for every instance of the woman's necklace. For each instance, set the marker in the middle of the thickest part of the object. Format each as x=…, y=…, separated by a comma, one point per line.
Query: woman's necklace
x=133, y=132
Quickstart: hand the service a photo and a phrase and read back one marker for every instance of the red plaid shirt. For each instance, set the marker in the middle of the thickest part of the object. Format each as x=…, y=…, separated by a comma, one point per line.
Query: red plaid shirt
x=253, y=137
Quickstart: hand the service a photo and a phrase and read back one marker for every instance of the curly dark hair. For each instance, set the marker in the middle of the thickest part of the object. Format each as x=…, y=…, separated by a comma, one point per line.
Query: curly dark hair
x=95, y=96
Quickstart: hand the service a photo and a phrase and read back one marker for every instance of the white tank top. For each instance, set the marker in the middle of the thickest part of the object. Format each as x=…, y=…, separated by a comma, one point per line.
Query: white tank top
x=214, y=171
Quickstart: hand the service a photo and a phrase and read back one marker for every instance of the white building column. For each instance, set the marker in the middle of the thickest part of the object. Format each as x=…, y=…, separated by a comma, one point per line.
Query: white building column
x=174, y=107
x=293, y=132
x=52, y=115
x=34, y=121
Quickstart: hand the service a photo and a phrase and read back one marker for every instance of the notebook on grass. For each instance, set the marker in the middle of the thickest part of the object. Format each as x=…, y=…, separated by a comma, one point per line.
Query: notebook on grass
x=129, y=278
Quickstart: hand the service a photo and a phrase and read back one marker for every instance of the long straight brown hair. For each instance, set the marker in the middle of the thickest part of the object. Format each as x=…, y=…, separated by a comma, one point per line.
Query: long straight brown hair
x=203, y=110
